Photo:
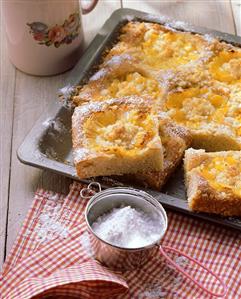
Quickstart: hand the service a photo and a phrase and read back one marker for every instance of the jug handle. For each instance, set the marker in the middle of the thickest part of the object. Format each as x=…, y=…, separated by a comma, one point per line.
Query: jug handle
x=89, y=8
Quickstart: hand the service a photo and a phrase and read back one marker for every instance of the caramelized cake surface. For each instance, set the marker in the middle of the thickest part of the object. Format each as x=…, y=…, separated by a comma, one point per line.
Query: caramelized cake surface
x=195, y=79
x=175, y=140
x=213, y=181
x=116, y=136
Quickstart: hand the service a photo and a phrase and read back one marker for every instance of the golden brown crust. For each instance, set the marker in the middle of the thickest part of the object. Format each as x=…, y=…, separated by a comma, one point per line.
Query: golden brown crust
x=115, y=67
x=151, y=59
x=202, y=196
x=175, y=140
x=121, y=75
x=207, y=199
x=138, y=37
x=199, y=73
x=115, y=137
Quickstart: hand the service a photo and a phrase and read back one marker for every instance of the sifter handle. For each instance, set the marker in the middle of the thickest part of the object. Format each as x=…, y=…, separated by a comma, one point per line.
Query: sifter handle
x=88, y=192
x=162, y=250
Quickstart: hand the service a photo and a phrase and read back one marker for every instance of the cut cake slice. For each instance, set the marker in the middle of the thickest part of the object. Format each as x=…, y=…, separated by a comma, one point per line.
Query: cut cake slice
x=115, y=137
x=213, y=181
x=175, y=140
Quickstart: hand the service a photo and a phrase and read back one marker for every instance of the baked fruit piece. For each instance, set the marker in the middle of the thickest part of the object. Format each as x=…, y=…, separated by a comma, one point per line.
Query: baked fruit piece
x=212, y=113
x=226, y=65
x=120, y=76
x=213, y=181
x=116, y=136
x=160, y=47
x=143, y=61
x=175, y=140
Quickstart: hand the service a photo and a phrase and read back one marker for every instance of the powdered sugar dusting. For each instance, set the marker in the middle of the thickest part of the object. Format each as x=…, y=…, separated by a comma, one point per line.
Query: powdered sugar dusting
x=156, y=19
x=114, y=60
x=128, y=227
x=129, y=18
x=55, y=124
x=157, y=287
x=92, y=107
x=50, y=152
x=50, y=225
x=178, y=24
x=80, y=154
x=54, y=197
x=118, y=59
x=82, y=112
x=98, y=75
x=47, y=122
x=66, y=91
x=65, y=94
x=153, y=292
x=86, y=244
x=209, y=38
x=181, y=261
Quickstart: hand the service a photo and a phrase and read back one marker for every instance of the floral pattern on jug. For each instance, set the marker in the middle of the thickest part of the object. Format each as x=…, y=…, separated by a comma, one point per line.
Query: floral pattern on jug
x=58, y=34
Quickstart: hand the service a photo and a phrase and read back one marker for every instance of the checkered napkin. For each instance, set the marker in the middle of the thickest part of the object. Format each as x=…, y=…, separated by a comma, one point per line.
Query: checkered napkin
x=52, y=257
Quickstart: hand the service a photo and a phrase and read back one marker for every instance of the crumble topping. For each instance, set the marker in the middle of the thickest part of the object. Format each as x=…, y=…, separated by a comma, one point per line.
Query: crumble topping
x=118, y=130
x=223, y=172
x=195, y=79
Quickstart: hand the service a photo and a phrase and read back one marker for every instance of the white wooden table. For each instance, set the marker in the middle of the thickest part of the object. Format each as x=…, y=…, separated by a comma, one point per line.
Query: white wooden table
x=24, y=98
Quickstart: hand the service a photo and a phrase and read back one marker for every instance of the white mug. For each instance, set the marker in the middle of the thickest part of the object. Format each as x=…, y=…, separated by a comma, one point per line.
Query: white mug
x=45, y=37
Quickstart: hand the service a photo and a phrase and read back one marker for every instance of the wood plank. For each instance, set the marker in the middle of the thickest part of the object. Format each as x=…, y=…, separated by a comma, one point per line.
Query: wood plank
x=236, y=6
x=32, y=96
x=7, y=86
x=210, y=14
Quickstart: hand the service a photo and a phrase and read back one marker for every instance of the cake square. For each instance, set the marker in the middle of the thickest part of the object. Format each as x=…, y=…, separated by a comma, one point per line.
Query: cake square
x=213, y=181
x=115, y=137
x=175, y=140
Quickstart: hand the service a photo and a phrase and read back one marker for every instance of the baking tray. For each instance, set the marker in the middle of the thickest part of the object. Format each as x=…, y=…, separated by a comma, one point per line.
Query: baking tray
x=49, y=146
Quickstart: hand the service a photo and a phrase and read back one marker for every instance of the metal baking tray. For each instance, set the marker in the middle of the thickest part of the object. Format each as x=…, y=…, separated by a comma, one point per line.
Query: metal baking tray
x=49, y=146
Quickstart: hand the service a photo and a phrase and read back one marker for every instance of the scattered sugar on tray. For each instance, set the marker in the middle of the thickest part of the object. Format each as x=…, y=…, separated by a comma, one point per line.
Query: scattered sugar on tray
x=47, y=122
x=129, y=18
x=209, y=38
x=178, y=24
x=58, y=125
x=65, y=94
x=51, y=153
x=157, y=19
x=128, y=227
x=66, y=90
x=98, y=75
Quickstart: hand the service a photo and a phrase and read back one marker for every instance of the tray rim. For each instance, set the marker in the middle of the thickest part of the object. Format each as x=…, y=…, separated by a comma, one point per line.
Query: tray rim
x=29, y=153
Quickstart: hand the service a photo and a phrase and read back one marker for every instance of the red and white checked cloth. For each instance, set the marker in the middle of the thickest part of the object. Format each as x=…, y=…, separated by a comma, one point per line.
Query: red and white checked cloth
x=52, y=257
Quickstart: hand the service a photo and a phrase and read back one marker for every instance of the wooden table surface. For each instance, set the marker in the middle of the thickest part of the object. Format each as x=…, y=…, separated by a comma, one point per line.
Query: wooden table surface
x=24, y=98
